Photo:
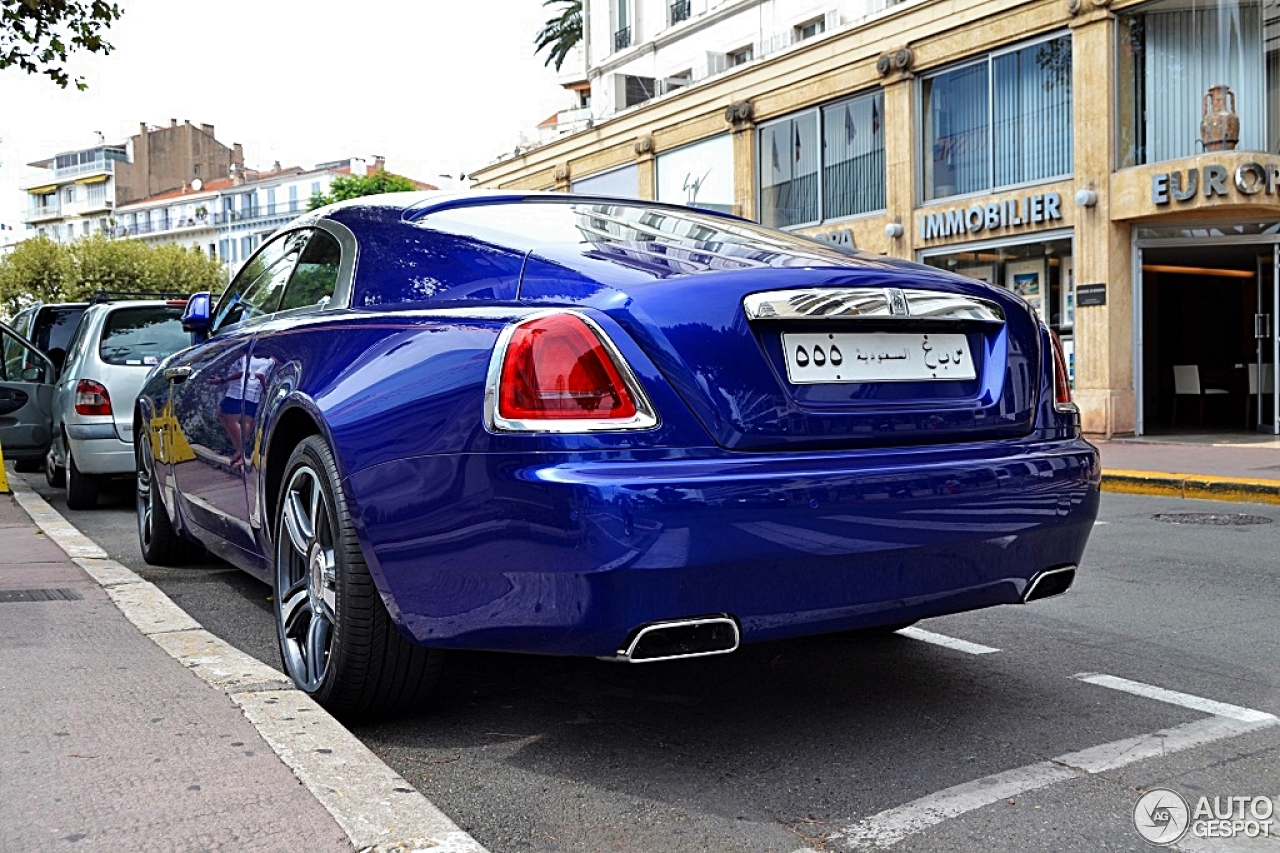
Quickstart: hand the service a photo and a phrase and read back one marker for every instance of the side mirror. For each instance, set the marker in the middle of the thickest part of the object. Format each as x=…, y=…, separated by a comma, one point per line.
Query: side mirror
x=196, y=317
x=34, y=373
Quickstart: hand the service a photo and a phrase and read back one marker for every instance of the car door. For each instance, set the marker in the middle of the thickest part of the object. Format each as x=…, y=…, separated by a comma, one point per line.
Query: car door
x=26, y=397
x=208, y=392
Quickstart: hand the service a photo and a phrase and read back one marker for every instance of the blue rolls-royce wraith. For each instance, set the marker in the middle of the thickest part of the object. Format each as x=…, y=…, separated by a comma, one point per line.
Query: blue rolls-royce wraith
x=571, y=425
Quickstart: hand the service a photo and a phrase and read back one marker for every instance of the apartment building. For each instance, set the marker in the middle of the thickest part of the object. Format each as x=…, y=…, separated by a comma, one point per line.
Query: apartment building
x=80, y=189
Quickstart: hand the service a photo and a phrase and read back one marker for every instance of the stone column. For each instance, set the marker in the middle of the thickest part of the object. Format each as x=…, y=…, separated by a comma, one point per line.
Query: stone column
x=646, y=167
x=741, y=117
x=901, y=156
x=1104, y=339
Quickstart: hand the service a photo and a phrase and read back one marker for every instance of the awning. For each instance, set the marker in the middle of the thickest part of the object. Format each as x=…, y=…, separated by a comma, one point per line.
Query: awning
x=92, y=179
x=43, y=190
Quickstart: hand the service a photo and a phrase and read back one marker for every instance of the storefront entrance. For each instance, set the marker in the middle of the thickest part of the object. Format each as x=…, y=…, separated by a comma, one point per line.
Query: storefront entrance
x=1207, y=336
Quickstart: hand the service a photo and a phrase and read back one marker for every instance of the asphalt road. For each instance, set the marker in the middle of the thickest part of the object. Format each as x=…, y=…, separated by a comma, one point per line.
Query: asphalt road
x=844, y=744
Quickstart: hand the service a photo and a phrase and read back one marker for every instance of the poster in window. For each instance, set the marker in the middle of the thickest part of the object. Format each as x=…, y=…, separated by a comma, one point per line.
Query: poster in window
x=982, y=272
x=1068, y=292
x=1026, y=278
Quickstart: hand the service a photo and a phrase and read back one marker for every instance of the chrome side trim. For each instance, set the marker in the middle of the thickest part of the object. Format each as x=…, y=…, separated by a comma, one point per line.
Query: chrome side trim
x=870, y=303
x=646, y=416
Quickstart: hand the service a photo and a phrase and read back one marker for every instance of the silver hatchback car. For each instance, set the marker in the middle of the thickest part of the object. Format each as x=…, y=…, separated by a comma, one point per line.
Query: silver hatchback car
x=108, y=357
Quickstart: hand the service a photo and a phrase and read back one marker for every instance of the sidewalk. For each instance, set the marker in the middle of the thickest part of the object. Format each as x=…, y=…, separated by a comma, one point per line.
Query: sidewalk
x=1193, y=467
x=128, y=727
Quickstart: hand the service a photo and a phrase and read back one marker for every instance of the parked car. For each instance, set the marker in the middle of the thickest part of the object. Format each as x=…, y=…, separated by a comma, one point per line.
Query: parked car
x=571, y=425
x=49, y=326
x=26, y=400
x=114, y=346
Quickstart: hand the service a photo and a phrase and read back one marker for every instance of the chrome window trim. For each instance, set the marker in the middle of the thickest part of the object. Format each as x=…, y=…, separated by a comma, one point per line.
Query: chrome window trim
x=646, y=416
x=870, y=303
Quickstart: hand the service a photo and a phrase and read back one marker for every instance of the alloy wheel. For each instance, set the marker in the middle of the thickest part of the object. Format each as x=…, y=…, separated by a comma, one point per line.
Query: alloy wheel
x=306, y=578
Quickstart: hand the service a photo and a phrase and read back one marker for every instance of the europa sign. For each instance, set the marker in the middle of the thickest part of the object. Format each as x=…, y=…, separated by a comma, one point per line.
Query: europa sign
x=1246, y=179
x=1010, y=213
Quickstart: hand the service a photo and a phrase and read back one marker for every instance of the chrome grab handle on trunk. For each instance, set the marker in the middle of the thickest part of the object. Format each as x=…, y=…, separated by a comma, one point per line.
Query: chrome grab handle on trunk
x=177, y=374
x=869, y=303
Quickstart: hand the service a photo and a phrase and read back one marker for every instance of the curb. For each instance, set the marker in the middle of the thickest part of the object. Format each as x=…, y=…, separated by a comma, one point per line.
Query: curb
x=1198, y=486
x=377, y=809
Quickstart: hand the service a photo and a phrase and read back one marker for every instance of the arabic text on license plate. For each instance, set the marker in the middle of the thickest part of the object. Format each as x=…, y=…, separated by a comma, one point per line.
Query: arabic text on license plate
x=876, y=357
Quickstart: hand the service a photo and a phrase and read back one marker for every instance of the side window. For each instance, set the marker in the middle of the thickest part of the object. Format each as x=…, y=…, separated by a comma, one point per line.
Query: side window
x=315, y=276
x=75, y=347
x=257, y=287
x=20, y=363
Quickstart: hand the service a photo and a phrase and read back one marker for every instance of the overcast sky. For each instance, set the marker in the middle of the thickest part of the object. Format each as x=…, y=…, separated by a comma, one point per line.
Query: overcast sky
x=435, y=87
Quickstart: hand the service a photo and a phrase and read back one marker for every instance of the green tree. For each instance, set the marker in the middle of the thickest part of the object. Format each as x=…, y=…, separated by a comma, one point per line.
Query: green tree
x=37, y=36
x=41, y=270
x=560, y=34
x=355, y=186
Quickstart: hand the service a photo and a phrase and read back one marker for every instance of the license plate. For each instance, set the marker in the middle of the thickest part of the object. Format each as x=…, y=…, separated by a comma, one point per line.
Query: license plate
x=877, y=357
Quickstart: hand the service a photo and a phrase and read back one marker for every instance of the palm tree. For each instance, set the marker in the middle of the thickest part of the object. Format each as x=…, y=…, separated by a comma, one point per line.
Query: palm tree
x=561, y=33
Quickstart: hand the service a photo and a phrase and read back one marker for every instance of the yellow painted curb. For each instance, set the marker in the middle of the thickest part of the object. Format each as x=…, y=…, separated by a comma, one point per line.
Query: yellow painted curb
x=4, y=477
x=1200, y=486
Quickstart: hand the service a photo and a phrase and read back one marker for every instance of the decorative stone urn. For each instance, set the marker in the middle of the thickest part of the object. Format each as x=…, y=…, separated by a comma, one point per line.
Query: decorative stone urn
x=1220, y=127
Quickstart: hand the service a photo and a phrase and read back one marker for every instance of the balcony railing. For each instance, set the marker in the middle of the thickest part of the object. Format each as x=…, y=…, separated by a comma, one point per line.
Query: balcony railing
x=44, y=211
x=679, y=11
x=622, y=39
x=97, y=167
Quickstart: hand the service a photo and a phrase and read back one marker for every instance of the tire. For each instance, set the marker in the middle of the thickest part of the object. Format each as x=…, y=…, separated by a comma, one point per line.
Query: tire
x=82, y=489
x=337, y=640
x=160, y=544
x=54, y=474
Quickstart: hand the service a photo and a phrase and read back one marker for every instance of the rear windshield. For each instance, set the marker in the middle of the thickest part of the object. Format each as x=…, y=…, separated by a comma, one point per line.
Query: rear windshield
x=143, y=335
x=54, y=327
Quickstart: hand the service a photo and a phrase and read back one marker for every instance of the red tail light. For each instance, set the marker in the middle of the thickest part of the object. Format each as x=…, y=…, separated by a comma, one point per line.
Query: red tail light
x=92, y=398
x=1061, y=383
x=561, y=368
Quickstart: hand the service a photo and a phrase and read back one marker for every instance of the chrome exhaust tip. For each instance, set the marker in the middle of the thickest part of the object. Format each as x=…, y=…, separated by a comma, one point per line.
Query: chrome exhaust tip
x=681, y=638
x=1049, y=583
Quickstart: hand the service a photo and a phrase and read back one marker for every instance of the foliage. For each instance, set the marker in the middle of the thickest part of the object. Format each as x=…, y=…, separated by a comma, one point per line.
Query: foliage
x=40, y=270
x=355, y=186
x=562, y=33
x=38, y=35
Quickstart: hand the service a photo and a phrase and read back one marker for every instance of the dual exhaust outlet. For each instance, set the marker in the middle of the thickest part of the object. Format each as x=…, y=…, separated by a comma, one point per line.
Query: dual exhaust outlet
x=719, y=634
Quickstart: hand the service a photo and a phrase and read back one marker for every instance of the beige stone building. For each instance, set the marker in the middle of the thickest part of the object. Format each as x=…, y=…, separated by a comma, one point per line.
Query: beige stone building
x=1117, y=163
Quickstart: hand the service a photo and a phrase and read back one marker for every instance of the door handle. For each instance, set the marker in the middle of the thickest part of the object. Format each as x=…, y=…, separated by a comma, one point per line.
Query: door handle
x=177, y=374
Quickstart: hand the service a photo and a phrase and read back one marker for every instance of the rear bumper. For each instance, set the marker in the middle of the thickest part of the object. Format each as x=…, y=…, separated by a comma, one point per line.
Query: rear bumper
x=569, y=555
x=98, y=450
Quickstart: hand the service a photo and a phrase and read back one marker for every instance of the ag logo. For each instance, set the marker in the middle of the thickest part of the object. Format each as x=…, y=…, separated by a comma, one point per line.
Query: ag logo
x=1161, y=816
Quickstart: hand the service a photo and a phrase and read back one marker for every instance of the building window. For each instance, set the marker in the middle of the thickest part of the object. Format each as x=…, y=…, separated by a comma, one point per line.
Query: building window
x=679, y=11
x=621, y=24
x=741, y=56
x=809, y=29
x=1177, y=63
x=635, y=90
x=98, y=191
x=293, y=198
x=271, y=201
x=998, y=122
x=823, y=164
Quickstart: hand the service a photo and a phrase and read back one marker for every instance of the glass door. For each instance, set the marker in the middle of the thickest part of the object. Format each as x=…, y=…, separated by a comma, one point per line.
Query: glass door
x=1264, y=379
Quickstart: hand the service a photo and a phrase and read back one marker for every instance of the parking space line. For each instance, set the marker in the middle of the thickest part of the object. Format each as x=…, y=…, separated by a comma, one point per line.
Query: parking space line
x=947, y=642
x=1185, y=700
x=892, y=825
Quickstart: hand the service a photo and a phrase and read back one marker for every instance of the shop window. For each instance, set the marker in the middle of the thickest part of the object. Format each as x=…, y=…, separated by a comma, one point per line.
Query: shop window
x=1002, y=121
x=823, y=164
x=1041, y=272
x=1182, y=63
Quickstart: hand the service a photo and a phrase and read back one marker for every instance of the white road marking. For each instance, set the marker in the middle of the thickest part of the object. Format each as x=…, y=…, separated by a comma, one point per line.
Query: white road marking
x=947, y=642
x=1185, y=700
x=893, y=825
